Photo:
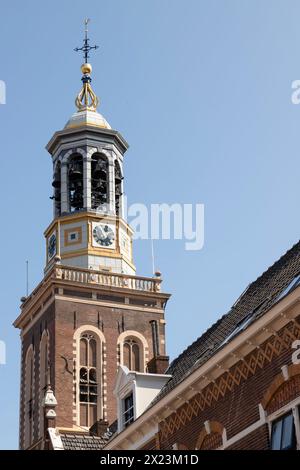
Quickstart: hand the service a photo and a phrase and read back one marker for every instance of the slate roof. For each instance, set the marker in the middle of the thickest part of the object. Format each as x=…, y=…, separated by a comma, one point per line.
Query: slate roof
x=82, y=442
x=257, y=299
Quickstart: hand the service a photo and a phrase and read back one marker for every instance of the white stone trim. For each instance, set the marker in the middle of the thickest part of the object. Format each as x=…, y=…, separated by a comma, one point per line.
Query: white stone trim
x=102, y=382
x=141, y=340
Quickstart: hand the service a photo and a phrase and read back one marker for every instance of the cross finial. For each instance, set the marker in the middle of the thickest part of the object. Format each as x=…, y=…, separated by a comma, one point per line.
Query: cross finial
x=85, y=49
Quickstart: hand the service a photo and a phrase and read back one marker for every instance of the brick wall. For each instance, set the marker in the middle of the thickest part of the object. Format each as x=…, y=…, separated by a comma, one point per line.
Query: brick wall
x=62, y=319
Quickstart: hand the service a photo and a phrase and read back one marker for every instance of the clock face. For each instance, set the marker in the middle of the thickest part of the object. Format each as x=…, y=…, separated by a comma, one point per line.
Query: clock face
x=104, y=235
x=52, y=246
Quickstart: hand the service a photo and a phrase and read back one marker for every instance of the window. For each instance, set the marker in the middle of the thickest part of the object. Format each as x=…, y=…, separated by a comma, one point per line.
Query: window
x=99, y=181
x=242, y=325
x=118, y=187
x=75, y=183
x=131, y=355
x=283, y=433
x=292, y=285
x=128, y=414
x=88, y=380
x=56, y=183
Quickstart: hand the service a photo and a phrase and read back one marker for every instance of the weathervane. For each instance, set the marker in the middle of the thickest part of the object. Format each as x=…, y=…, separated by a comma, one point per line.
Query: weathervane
x=86, y=99
x=86, y=48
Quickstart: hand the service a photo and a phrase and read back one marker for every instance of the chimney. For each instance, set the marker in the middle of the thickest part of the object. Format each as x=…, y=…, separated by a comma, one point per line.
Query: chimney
x=158, y=364
x=155, y=337
x=99, y=428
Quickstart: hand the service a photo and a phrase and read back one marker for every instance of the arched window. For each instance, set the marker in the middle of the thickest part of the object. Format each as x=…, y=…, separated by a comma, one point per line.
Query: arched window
x=99, y=181
x=56, y=183
x=75, y=183
x=89, y=378
x=211, y=436
x=44, y=368
x=132, y=354
x=118, y=187
x=29, y=396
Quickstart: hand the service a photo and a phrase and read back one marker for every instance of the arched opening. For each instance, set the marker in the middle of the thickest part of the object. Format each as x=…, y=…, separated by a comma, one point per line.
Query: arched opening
x=89, y=379
x=118, y=187
x=75, y=183
x=132, y=354
x=99, y=182
x=29, y=390
x=56, y=183
x=211, y=436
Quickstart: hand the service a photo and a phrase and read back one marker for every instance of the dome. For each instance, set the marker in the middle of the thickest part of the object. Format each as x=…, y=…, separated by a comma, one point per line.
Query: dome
x=87, y=118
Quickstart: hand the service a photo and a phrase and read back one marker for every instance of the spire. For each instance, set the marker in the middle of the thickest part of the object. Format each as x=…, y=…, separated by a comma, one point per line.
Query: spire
x=86, y=99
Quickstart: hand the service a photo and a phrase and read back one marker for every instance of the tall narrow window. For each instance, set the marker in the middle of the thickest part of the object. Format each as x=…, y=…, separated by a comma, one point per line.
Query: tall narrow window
x=88, y=380
x=56, y=183
x=283, y=433
x=99, y=174
x=29, y=384
x=75, y=183
x=128, y=410
x=118, y=187
x=131, y=355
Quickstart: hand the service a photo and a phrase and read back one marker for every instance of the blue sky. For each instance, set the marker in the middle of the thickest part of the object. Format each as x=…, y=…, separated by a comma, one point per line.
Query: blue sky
x=201, y=90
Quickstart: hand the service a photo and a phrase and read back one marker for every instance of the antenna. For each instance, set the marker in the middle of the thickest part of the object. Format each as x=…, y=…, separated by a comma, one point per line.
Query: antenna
x=152, y=255
x=27, y=279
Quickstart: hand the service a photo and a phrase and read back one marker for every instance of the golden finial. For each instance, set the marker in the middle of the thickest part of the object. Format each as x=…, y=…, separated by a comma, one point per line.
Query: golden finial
x=86, y=98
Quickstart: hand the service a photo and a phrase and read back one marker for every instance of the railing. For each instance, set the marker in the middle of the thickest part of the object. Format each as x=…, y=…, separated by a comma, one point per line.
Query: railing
x=107, y=279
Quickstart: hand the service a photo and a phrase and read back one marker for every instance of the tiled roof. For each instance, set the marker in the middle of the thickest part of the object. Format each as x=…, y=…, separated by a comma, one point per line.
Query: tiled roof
x=257, y=299
x=82, y=442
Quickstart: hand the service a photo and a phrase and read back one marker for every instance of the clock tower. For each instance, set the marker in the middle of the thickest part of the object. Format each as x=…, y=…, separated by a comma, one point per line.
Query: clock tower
x=91, y=312
x=88, y=229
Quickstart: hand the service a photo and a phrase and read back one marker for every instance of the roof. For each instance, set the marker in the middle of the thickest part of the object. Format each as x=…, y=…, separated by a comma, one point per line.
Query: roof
x=255, y=301
x=72, y=441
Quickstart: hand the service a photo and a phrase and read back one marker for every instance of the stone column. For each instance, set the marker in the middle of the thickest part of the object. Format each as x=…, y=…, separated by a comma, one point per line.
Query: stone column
x=64, y=188
x=111, y=185
x=87, y=183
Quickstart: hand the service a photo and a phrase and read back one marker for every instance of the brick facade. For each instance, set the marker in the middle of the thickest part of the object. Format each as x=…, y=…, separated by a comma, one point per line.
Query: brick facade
x=235, y=398
x=62, y=319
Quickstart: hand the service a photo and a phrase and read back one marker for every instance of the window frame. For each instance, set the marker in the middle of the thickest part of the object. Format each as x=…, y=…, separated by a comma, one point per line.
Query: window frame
x=278, y=427
x=130, y=409
x=292, y=407
x=131, y=342
x=87, y=336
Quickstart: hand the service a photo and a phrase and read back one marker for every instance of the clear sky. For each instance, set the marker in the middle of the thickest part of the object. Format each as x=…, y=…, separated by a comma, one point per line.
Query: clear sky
x=201, y=90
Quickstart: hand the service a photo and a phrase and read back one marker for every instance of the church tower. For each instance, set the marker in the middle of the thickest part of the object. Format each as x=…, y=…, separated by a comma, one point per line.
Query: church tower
x=91, y=312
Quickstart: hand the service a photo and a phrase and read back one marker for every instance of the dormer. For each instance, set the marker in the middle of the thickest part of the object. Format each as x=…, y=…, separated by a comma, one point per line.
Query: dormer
x=134, y=392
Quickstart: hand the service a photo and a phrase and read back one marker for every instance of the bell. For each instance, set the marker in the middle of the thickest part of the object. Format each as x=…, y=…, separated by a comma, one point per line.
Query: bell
x=76, y=199
x=100, y=170
x=75, y=170
x=99, y=173
x=101, y=187
x=56, y=183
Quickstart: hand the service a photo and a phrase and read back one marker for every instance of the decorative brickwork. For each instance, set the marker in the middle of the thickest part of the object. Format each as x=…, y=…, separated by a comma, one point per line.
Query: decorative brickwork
x=211, y=442
x=244, y=369
x=286, y=393
x=210, y=436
